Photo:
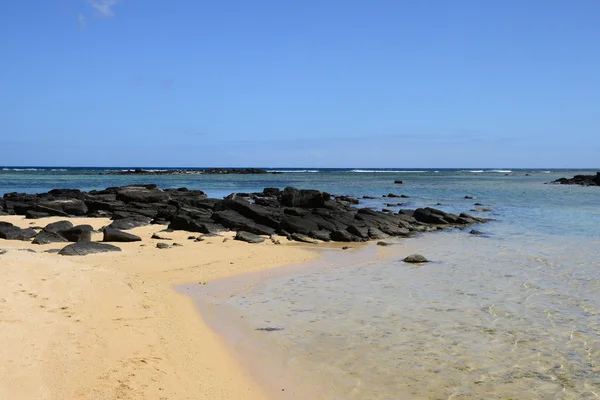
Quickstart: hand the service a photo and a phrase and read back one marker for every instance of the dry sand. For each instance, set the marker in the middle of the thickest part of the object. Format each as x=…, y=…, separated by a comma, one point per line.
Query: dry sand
x=110, y=326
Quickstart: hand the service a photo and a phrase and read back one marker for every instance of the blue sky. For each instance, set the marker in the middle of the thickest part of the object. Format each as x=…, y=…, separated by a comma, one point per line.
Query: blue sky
x=310, y=83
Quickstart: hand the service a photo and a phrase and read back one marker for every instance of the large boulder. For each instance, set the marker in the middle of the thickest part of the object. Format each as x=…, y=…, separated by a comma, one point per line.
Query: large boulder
x=46, y=237
x=298, y=237
x=234, y=220
x=131, y=222
x=292, y=197
x=257, y=213
x=293, y=224
x=249, y=237
x=79, y=233
x=85, y=248
x=115, y=235
x=9, y=231
x=58, y=226
x=67, y=206
x=187, y=223
x=430, y=216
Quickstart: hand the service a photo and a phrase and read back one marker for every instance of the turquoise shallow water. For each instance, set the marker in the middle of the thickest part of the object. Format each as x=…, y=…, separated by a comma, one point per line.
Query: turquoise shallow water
x=512, y=315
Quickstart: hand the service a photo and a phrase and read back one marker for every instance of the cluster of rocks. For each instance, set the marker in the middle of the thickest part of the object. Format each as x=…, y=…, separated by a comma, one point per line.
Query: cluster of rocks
x=301, y=215
x=584, y=180
x=139, y=171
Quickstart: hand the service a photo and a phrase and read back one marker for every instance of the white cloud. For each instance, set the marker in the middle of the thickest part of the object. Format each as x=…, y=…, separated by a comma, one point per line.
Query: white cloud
x=81, y=20
x=103, y=7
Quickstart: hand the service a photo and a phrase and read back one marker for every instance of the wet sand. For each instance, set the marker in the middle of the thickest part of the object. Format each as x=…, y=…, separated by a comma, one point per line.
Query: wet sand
x=111, y=326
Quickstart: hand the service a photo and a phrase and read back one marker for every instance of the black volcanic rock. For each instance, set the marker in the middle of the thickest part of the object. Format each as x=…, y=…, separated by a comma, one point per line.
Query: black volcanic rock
x=85, y=248
x=311, y=213
x=249, y=237
x=583, y=180
x=58, y=226
x=292, y=197
x=46, y=237
x=79, y=233
x=115, y=235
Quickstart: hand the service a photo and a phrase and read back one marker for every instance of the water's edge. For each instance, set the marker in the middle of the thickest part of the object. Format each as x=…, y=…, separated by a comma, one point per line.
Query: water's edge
x=254, y=350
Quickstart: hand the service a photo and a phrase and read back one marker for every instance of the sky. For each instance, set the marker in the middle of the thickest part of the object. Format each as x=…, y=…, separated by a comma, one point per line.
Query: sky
x=300, y=83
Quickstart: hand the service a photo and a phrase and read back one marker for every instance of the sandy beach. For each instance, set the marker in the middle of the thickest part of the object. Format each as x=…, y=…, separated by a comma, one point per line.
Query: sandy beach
x=111, y=326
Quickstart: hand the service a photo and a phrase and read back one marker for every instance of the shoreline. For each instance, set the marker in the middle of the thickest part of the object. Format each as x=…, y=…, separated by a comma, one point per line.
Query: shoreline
x=115, y=322
x=252, y=347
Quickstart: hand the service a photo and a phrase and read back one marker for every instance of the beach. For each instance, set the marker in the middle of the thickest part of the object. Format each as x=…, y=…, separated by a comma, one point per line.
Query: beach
x=111, y=326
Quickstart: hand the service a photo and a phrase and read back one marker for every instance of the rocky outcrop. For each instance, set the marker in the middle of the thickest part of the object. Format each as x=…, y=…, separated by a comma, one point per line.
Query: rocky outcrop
x=583, y=180
x=308, y=215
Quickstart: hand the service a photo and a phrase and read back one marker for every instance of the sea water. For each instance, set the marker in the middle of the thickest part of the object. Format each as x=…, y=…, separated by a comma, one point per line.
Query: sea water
x=511, y=314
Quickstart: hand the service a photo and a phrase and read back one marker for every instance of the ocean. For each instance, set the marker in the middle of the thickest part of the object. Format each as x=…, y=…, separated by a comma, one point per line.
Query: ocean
x=511, y=314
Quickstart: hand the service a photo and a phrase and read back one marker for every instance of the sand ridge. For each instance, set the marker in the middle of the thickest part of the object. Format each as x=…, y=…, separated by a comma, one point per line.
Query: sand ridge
x=110, y=326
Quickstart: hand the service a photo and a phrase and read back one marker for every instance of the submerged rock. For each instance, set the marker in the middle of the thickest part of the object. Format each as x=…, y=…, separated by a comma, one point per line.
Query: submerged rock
x=415, y=259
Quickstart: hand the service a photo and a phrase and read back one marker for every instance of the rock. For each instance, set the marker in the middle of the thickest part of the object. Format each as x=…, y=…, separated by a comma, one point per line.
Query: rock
x=46, y=237
x=199, y=239
x=469, y=197
x=30, y=214
x=298, y=237
x=322, y=235
x=430, y=216
x=249, y=237
x=475, y=232
x=161, y=237
x=257, y=213
x=271, y=191
x=292, y=197
x=162, y=246
x=85, y=248
x=293, y=224
x=63, y=207
x=482, y=209
x=346, y=248
x=234, y=220
x=142, y=194
x=115, y=235
x=360, y=231
x=344, y=236
x=134, y=221
x=415, y=259
x=384, y=244
x=392, y=195
x=175, y=244
x=376, y=234
x=79, y=233
x=583, y=180
x=10, y=232
x=403, y=196
x=477, y=204
x=370, y=197
x=348, y=199
x=398, y=181
x=2, y=251
x=58, y=226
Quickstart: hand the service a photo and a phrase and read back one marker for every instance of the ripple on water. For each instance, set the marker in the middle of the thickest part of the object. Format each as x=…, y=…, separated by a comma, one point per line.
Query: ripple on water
x=491, y=319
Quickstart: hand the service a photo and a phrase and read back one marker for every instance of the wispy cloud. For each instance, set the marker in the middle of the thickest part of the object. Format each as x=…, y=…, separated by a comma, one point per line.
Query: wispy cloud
x=81, y=20
x=104, y=7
